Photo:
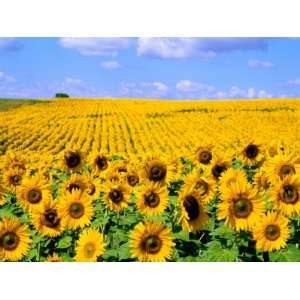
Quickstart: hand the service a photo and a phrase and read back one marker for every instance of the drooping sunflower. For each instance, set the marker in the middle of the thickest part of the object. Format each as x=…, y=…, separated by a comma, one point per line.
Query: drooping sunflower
x=286, y=195
x=204, y=155
x=75, y=182
x=54, y=258
x=93, y=185
x=47, y=220
x=32, y=192
x=75, y=209
x=159, y=170
x=151, y=242
x=193, y=214
x=12, y=179
x=14, y=239
x=90, y=246
x=218, y=166
x=240, y=206
x=152, y=199
x=280, y=166
x=72, y=160
x=202, y=183
x=252, y=153
x=116, y=196
x=100, y=162
x=271, y=232
x=231, y=176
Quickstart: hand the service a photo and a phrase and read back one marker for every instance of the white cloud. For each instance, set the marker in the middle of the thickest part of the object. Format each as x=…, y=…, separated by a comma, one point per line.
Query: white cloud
x=10, y=44
x=191, y=86
x=72, y=81
x=294, y=81
x=96, y=46
x=110, y=65
x=254, y=63
x=196, y=47
x=6, y=78
x=153, y=89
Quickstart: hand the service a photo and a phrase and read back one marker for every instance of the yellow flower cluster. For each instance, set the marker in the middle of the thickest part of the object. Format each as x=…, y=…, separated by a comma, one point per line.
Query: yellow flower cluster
x=238, y=161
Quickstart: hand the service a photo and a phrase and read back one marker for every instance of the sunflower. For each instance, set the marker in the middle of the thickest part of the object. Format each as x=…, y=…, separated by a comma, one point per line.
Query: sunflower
x=280, y=166
x=261, y=181
x=230, y=176
x=75, y=182
x=54, y=258
x=151, y=242
x=120, y=167
x=193, y=214
x=93, y=185
x=252, y=153
x=152, y=199
x=271, y=232
x=240, y=206
x=100, y=162
x=13, y=160
x=13, y=178
x=89, y=246
x=32, y=192
x=202, y=183
x=116, y=196
x=72, y=160
x=204, y=155
x=158, y=170
x=132, y=176
x=286, y=195
x=218, y=166
x=2, y=198
x=75, y=209
x=47, y=220
x=14, y=239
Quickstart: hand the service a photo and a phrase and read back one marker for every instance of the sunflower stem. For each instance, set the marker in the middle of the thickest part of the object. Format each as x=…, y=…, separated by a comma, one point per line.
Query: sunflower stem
x=266, y=256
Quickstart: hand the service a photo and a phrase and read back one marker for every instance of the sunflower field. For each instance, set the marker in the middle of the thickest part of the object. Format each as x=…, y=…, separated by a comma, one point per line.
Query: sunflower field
x=150, y=181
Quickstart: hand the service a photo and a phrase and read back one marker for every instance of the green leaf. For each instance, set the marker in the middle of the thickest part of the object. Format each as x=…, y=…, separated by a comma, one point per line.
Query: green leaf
x=123, y=251
x=7, y=211
x=182, y=235
x=65, y=242
x=290, y=254
x=216, y=253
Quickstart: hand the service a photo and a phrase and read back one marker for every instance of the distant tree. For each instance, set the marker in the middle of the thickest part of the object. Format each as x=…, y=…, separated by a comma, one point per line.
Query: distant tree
x=61, y=95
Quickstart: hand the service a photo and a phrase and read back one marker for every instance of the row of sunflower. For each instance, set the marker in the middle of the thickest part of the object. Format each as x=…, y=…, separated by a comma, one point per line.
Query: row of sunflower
x=244, y=202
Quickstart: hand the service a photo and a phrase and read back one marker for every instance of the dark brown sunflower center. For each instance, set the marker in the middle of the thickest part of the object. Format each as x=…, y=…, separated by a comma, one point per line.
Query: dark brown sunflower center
x=251, y=151
x=73, y=186
x=89, y=250
x=50, y=218
x=242, y=208
x=9, y=241
x=122, y=170
x=152, y=199
x=286, y=170
x=116, y=196
x=202, y=187
x=289, y=194
x=218, y=169
x=133, y=180
x=158, y=172
x=91, y=189
x=72, y=160
x=205, y=157
x=191, y=206
x=101, y=162
x=34, y=196
x=76, y=210
x=272, y=232
x=15, y=180
x=152, y=244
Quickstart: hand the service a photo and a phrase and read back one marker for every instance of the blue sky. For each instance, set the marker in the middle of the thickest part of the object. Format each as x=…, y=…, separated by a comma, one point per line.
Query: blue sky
x=174, y=68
